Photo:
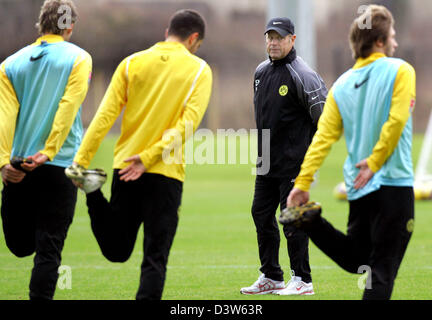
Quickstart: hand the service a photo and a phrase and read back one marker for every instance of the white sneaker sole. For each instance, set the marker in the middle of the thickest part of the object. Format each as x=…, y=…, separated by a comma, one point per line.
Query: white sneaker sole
x=306, y=293
x=250, y=293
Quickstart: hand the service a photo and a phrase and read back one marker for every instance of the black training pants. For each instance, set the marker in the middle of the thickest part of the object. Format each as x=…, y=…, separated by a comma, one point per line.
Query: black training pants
x=36, y=215
x=154, y=200
x=269, y=193
x=379, y=229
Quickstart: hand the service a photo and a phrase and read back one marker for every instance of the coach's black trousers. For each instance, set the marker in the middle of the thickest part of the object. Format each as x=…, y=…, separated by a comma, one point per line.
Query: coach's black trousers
x=36, y=215
x=379, y=228
x=154, y=200
x=269, y=193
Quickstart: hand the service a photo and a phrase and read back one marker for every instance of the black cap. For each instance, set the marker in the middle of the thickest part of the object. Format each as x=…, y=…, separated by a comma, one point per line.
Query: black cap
x=283, y=26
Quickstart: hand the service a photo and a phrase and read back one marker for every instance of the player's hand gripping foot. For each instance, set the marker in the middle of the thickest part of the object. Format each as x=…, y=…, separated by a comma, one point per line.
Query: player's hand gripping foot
x=87, y=180
x=16, y=163
x=300, y=215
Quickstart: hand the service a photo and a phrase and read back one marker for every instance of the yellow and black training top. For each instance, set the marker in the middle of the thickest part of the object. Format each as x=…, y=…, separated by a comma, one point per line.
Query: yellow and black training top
x=158, y=89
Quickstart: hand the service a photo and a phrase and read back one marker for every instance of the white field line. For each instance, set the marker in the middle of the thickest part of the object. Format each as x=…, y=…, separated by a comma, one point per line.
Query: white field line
x=208, y=267
x=121, y=266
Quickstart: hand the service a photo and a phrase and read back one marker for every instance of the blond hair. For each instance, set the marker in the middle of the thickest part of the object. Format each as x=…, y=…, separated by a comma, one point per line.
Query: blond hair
x=372, y=26
x=54, y=14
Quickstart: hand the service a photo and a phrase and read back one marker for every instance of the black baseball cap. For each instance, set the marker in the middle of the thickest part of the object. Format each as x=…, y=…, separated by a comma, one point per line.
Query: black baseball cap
x=283, y=26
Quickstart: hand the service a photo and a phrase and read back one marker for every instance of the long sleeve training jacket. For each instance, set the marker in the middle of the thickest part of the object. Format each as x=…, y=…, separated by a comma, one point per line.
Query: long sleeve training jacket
x=289, y=98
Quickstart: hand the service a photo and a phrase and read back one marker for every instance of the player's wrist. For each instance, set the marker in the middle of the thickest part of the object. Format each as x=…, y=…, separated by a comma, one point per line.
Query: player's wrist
x=302, y=186
x=3, y=163
x=372, y=165
x=48, y=154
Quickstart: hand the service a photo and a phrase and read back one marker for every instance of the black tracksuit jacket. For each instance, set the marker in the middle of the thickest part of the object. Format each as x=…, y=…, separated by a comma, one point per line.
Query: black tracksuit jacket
x=289, y=98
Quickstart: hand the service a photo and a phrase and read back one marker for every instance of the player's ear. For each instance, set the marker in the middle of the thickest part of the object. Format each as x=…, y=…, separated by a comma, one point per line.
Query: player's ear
x=379, y=43
x=166, y=33
x=193, y=38
x=67, y=33
x=70, y=29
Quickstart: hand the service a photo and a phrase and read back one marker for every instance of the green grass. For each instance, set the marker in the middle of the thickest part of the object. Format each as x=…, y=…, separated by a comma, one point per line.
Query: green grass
x=215, y=250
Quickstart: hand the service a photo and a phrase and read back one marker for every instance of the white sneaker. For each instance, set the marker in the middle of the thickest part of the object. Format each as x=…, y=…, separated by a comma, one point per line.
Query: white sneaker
x=88, y=180
x=264, y=286
x=297, y=287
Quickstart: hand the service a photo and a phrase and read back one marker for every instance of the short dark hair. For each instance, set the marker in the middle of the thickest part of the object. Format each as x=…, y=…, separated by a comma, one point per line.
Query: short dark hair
x=53, y=12
x=362, y=39
x=185, y=22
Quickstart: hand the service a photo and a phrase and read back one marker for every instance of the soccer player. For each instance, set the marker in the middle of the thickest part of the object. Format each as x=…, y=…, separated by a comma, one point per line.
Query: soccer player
x=42, y=87
x=372, y=105
x=289, y=97
x=161, y=91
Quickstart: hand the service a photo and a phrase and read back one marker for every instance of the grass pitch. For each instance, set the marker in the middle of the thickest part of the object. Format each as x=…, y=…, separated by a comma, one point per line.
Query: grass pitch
x=215, y=250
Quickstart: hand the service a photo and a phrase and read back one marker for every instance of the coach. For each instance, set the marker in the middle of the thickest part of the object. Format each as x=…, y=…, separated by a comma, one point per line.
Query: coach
x=289, y=98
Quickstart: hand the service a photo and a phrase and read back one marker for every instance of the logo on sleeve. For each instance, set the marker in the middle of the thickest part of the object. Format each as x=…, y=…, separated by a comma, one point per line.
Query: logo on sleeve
x=283, y=90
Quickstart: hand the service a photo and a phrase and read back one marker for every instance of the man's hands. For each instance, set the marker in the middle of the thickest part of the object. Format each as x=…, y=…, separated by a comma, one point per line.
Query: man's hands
x=130, y=173
x=297, y=198
x=134, y=170
x=364, y=175
x=36, y=160
x=10, y=174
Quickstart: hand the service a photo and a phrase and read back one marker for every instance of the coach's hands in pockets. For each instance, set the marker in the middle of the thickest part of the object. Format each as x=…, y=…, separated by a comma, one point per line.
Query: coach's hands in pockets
x=134, y=170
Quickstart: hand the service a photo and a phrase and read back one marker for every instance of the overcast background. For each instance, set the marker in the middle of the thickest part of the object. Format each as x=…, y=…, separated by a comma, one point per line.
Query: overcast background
x=110, y=30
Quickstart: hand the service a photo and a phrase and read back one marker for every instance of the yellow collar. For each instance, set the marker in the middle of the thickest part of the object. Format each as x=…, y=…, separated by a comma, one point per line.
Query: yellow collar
x=49, y=38
x=363, y=62
x=171, y=45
